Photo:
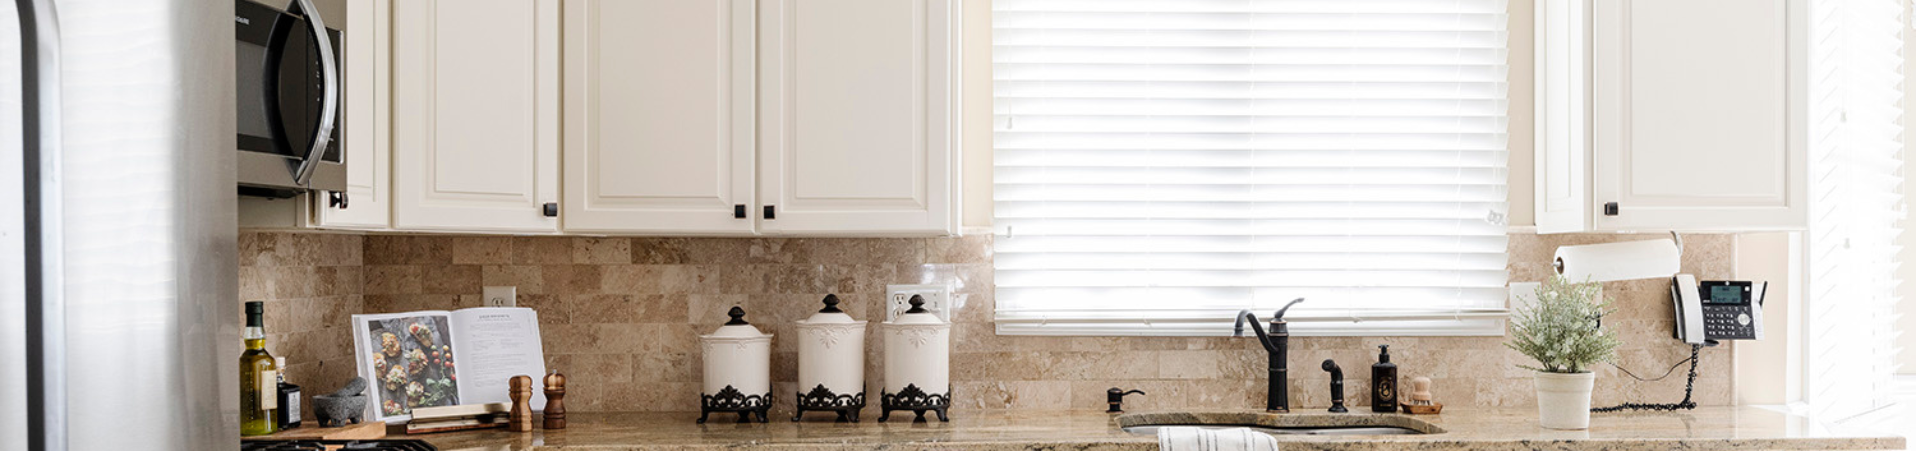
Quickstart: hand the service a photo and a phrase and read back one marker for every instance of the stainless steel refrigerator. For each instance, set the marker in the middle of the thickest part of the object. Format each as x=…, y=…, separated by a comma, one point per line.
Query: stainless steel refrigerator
x=118, y=318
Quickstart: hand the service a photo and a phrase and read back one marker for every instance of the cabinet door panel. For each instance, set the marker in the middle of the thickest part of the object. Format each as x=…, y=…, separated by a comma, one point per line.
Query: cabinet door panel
x=475, y=99
x=1699, y=127
x=368, y=117
x=658, y=116
x=858, y=120
x=1562, y=117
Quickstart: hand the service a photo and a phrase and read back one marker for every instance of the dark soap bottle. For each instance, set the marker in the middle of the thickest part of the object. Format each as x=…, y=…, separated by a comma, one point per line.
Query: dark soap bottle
x=288, y=399
x=1383, y=382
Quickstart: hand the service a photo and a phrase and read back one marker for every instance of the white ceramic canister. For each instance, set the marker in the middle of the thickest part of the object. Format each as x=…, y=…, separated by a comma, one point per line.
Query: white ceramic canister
x=738, y=369
x=831, y=362
x=917, y=362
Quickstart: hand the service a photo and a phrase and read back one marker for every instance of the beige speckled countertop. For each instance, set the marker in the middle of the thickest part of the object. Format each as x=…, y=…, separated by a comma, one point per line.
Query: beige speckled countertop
x=1704, y=429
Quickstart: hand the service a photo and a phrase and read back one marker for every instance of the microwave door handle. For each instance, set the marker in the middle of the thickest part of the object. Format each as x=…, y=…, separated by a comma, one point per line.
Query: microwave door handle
x=329, y=100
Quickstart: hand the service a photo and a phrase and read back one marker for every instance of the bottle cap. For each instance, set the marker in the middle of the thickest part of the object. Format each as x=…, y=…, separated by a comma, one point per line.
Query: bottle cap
x=254, y=310
x=1384, y=354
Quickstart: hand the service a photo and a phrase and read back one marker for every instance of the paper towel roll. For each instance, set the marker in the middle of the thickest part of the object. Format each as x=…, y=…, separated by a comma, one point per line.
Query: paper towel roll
x=1619, y=261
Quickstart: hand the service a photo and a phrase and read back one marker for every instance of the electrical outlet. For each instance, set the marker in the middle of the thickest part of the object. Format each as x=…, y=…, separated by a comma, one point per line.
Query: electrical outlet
x=502, y=296
x=937, y=300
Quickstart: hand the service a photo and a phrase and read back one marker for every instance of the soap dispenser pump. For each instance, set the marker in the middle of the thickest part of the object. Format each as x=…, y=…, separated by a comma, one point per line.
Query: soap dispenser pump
x=1383, y=382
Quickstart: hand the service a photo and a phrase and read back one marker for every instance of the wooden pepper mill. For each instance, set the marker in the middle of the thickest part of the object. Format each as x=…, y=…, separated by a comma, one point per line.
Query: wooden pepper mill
x=555, y=400
x=520, y=419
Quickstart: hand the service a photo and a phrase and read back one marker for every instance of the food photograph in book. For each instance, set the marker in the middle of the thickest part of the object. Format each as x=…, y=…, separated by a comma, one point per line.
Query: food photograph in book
x=413, y=361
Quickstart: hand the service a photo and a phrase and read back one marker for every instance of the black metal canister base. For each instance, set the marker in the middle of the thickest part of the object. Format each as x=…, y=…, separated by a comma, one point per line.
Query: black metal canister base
x=822, y=399
x=916, y=400
x=731, y=400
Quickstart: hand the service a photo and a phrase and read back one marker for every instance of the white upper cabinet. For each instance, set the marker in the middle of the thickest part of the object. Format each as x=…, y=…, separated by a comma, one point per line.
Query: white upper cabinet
x=658, y=116
x=858, y=109
x=1682, y=115
x=366, y=203
x=476, y=120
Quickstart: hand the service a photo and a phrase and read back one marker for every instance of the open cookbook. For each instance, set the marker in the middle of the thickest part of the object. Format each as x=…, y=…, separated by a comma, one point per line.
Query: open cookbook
x=443, y=358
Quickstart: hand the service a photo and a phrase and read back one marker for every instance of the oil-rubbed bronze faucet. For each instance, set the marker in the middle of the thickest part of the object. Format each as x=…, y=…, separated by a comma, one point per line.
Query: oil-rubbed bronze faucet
x=1277, y=396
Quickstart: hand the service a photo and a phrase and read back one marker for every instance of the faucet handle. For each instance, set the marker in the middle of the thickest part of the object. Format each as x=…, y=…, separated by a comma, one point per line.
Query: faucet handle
x=1287, y=306
x=1115, y=398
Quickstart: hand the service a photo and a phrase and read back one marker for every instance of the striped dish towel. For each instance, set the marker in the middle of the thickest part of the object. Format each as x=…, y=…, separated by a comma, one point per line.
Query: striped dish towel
x=1206, y=439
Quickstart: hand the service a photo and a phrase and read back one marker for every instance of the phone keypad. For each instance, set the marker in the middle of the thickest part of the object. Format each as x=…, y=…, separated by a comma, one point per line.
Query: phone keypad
x=1728, y=322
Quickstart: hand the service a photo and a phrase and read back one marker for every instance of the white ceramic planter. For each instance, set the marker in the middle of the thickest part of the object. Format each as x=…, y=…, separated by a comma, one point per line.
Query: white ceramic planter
x=738, y=369
x=917, y=363
x=1563, y=400
x=831, y=362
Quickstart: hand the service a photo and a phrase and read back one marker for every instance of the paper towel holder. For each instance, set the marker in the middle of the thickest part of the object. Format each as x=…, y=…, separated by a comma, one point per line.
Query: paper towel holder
x=1557, y=263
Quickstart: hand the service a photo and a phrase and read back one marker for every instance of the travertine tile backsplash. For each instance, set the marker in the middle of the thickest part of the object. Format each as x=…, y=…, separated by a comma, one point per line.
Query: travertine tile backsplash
x=312, y=284
x=621, y=317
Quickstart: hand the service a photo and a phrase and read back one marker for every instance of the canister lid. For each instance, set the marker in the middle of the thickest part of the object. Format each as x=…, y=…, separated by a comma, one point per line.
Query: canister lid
x=917, y=314
x=830, y=314
x=737, y=327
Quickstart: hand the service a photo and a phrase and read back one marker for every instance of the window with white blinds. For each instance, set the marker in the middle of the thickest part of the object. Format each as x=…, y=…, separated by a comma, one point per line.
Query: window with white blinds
x=1856, y=206
x=1161, y=164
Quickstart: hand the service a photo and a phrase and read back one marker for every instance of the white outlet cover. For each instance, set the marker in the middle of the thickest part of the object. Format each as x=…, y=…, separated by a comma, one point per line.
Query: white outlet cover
x=502, y=296
x=937, y=299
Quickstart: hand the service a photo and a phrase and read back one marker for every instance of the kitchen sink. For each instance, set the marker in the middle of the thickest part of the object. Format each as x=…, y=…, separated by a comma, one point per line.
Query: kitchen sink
x=1280, y=424
x=1350, y=430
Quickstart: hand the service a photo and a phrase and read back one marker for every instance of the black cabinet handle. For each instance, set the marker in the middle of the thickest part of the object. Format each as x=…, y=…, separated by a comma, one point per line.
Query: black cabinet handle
x=771, y=212
x=552, y=209
x=337, y=199
x=738, y=211
x=1609, y=208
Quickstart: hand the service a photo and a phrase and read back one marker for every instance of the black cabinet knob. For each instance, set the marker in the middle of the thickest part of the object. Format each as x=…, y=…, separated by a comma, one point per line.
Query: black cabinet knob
x=1609, y=208
x=337, y=199
x=771, y=212
x=738, y=211
x=552, y=209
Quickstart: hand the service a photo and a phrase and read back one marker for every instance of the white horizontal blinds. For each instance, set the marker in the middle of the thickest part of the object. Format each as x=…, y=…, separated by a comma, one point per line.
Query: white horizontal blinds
x=1206, y=156
x=1856, y=204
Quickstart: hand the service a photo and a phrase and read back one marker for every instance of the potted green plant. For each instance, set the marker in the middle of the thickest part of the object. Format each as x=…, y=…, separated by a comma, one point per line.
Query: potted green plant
x=1563, y=332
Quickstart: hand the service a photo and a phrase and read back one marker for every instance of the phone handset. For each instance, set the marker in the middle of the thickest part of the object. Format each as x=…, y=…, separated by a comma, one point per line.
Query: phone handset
x=1688, y=301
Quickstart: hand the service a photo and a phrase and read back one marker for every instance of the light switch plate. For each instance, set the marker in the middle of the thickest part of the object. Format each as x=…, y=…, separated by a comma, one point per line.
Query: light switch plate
x=937, y=299
x=502, y=296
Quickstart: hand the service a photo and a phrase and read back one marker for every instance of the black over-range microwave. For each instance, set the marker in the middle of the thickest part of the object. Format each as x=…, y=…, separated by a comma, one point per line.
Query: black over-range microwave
x=290, y=100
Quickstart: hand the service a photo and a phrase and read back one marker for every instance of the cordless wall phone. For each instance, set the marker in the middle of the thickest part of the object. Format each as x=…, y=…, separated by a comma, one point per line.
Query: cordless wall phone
x=1716, y=310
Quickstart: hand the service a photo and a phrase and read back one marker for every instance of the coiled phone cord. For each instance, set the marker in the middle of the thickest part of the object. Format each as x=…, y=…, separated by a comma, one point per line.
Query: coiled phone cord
x=1689, y=386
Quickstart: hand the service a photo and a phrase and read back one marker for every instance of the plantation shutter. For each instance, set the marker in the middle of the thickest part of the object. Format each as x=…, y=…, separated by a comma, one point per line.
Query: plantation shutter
x=1161, y=164
x=1856, y=204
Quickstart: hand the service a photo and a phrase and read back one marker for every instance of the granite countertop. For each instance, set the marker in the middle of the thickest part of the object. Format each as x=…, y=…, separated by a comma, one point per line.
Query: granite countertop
x=1708, y=428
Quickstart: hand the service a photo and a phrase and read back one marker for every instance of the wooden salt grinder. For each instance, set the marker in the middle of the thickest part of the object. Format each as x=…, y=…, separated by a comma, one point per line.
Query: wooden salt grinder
x=520, y=419
x=555, y=400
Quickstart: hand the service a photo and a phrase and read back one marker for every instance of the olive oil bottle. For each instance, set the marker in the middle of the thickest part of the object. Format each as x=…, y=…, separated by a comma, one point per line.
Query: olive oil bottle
x=259, y=378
